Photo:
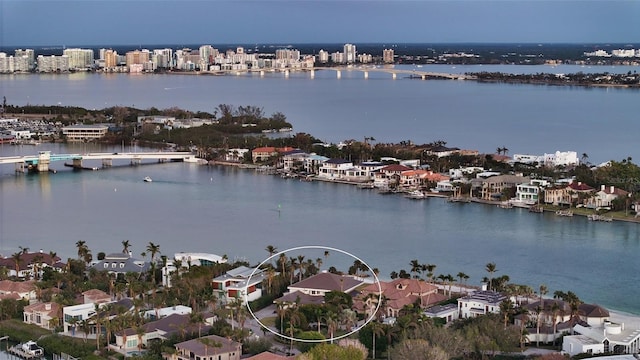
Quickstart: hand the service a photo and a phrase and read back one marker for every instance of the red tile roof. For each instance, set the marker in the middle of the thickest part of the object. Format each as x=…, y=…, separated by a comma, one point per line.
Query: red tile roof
x=328, y=281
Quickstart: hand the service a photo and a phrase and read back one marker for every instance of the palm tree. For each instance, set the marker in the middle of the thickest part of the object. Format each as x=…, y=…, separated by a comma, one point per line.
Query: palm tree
x=153, y=250
x=294, y=320
x=491, y=269
x=506, y=309
x=415, y=267
x=463, y=277
x=376, y=330
x=17, y=260
x=81, y=245
x=271, y=250
x=125, y=246
x=430, y=269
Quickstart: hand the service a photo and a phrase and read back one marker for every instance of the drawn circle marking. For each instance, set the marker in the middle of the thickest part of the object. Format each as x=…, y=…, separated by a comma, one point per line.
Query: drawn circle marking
x=284, y=336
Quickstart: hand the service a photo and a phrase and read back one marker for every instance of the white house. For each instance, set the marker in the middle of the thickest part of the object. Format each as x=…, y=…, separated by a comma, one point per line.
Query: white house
x=448, y=312
x=608, y=338
x=561, y=158
x=239, y=284
x=480, y=303
x=84, y=132
x=334, y=169
x=156, y=314
x=75, y=314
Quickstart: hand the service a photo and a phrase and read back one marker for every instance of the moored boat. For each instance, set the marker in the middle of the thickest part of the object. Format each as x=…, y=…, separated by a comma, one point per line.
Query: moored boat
x=415, y=194
x=27, y=350
x=564, y=213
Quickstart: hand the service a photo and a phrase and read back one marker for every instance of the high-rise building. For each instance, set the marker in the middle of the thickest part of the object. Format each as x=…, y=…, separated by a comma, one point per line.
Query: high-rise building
x=110, y=59
x=349, y=53
x=388, y=56
x=323, y=56
x=207, y=54
x=29, y=54
x=163, y=58
x=79, y=59
x=137, y=57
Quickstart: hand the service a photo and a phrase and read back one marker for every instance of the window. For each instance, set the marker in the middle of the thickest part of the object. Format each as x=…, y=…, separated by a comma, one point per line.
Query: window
x=106, y=265
x=121, y=265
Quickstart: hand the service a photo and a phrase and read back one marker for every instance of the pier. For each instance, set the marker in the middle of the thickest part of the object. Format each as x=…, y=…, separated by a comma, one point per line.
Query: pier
x=42, y=161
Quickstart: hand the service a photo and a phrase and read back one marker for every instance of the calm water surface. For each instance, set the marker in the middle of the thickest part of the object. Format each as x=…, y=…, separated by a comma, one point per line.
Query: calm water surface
x=238, y=213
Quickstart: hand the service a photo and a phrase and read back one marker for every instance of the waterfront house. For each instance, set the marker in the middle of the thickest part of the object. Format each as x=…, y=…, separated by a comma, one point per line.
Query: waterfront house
x=19, y=290
x=74, y=133
x=334, y=169
x=566, y=194
x=25, y=265
x=262, y=154
x=608, y=338
x=292, y=161
x=72, y=316
x=313, y=162
x=129, y=339
x=398, y=293
x=186, y=260
x=529, y=193
x=389, y=175
x=492, y=188
x=480, y=303
x=605, y=197
x=121, y=263
x=419, y=178
x=240, y=284
x=447, y=312
x=235, y=155
x=44, y=315
x=313, y=289
x=210, y=347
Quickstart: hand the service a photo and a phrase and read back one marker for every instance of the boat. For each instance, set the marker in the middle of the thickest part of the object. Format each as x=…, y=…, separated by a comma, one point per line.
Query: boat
x=366, y=185
x=147, y=179
x=595, y=217
x=564, y=213
x=505, y=205
x=27, y=350
x=415, y=194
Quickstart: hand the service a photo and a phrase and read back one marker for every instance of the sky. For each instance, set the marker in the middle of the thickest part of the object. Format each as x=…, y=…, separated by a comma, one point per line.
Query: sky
x=137, y=22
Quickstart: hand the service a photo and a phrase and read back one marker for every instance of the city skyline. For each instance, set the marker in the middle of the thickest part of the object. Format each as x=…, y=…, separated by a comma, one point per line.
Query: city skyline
x=66, y=23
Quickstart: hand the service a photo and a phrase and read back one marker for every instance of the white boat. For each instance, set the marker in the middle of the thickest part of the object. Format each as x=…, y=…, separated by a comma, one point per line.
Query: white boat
x=27, y=350
x=415, y=194
x=147, y=179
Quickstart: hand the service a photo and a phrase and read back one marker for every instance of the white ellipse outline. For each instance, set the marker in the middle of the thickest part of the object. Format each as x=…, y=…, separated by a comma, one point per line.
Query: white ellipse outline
x=246, y=288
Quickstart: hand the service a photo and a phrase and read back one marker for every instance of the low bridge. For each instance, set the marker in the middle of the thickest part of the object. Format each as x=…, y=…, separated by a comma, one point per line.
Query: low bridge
x=424, y=75
x=42, y=161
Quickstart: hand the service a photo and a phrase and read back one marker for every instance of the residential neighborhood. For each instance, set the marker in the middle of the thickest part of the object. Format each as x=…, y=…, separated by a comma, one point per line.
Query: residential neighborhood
x=125, y=313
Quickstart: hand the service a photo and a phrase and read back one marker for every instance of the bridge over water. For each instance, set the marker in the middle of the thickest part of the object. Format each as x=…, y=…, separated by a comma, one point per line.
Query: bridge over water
x=42, y=161
x=424, y=75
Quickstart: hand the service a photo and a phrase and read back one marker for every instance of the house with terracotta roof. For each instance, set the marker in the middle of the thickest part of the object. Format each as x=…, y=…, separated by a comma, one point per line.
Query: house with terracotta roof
x=29, y=263
x=419, y=177
x=313, y=289
x=210, y=347
x=389, y=175
x=25, y=290
x=567, y=194
x=95, y=296
x=44, y=315
x=262, y=154
x=604, y=198
x=398, y=294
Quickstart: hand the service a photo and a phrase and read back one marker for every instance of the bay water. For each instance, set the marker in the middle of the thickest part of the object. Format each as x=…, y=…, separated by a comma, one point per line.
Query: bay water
x=239, y=212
